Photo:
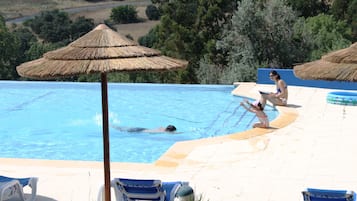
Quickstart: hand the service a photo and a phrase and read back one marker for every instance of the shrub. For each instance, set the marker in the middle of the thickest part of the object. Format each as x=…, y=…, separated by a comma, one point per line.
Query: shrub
x=152, y=12
x=124, y=14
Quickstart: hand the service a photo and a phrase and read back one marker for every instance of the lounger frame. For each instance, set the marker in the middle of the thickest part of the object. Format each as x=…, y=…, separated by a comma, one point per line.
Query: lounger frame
x=12, y=187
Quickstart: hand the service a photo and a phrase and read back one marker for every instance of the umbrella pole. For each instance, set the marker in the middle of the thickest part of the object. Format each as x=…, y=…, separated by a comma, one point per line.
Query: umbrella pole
x=104, y=85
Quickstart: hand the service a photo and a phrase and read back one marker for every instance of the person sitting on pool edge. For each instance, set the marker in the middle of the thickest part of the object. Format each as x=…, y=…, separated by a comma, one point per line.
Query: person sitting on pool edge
x=169, y=129
x=258, y=108
x=280, y=97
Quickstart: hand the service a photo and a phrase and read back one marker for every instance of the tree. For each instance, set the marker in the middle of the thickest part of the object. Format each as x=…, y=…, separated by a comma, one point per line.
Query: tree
x=339, y=9
x=208, y=73
x=26, y=39
x=177, y=36
x=189, y=30
x=38, y=49
x=346, y=10
x=9, y=47
x=309, y=8
x=149, y=39
x=79, y=27
x=56, y=26
x=124, y=14
x=323, y=34
x=52, y=26
x=260, y=35
x=152, y=12
x=352, y=19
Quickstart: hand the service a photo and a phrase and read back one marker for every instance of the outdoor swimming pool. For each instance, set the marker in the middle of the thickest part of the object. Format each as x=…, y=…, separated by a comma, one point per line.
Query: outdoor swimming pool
x=62, y=120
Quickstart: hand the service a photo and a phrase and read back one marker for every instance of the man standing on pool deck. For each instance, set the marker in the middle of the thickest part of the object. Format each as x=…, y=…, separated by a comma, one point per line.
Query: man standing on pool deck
x=280, y=97
x=168, y=129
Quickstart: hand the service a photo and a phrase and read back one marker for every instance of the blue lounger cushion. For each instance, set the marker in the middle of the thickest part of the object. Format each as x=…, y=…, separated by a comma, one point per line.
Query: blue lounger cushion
x=140, y=186
x=171, y=189
x=22, y=181
x=313, y=194
x=134, y=189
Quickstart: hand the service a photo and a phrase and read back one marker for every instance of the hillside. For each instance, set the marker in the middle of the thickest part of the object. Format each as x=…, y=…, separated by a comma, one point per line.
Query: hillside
x=135, y=30
x=99, y=11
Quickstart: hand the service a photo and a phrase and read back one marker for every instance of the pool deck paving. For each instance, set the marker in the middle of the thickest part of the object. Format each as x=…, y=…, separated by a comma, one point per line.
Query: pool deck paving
x=311, y=144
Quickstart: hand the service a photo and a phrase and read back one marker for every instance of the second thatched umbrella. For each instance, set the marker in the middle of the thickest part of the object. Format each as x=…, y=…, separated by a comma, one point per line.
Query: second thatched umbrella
x=340, y=65
x=101, y=50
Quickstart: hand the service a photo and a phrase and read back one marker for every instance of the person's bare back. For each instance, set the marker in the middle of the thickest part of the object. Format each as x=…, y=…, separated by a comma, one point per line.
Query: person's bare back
x=258, y=108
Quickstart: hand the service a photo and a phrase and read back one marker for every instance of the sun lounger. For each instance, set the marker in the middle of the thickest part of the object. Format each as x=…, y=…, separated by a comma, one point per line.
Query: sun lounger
x=13, y=187
x=140, y=189
x=172, y=189
x=312, y=194
x=130, y=189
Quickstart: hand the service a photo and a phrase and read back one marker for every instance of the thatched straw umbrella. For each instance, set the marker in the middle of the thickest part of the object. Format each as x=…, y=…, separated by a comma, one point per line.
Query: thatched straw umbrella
x=340, y=65
x=101, y=50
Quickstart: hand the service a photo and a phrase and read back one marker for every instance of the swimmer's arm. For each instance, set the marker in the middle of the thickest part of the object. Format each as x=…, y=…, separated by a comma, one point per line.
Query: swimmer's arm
x=160, y=130
x=116, y=127
x=119, y=128
x=157, y=130
x=247, y=108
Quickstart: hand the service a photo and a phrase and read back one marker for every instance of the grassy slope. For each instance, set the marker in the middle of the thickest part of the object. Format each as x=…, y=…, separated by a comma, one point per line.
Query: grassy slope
x=16, y=8
x=135, y=30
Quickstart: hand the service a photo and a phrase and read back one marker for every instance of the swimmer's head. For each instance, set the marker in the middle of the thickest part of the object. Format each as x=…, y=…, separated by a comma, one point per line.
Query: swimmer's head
x=170, y=128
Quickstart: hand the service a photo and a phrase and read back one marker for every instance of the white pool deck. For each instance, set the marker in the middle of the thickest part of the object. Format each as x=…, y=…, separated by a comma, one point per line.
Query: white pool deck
x=312, y=144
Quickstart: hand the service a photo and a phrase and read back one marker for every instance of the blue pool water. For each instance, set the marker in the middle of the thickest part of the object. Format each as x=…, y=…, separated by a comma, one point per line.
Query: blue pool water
x=62, y=120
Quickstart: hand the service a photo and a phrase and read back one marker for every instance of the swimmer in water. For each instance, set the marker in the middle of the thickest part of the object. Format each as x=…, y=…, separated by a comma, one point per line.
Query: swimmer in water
x=167, y=129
